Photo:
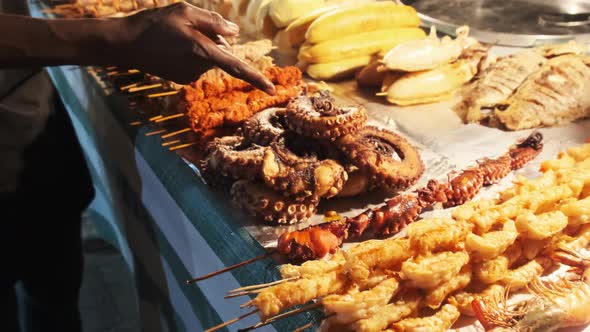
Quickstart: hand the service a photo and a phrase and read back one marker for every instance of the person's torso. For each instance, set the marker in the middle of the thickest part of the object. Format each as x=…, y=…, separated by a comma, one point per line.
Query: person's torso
x=25, y=96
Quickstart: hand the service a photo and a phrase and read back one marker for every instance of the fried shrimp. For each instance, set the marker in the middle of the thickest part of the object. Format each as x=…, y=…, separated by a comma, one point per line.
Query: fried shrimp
x=350, y=308
x=275, y=299
x=441, y=321
x=429, y=271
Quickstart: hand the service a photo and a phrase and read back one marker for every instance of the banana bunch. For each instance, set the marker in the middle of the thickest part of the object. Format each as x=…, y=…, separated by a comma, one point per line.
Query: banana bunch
x=425, y=70
x=264, y=18
x=341, y=41
x=331, y=39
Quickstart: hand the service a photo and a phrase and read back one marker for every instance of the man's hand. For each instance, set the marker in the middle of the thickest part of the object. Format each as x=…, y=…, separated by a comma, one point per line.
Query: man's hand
x=178, y=42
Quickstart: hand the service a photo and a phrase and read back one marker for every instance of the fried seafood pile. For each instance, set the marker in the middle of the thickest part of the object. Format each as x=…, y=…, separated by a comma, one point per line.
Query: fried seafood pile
x=466, y=264
x=285, y=160
x=317, y=241
x=540, y=87
x=219, y=100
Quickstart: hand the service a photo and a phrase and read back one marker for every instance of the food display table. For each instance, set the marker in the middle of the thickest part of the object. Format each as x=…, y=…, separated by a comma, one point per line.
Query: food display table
x=177, y=227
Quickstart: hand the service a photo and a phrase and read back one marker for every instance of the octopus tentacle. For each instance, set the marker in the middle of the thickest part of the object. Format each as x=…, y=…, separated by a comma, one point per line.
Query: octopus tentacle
x=527, y=150
x=375, y=150
x=493, y=170
x=296, y=175
x=259, y=200
x=230, y=157
x=358, y=183
x=463, y=187
x=467, y=184
x=265, y=126
x=318, y=117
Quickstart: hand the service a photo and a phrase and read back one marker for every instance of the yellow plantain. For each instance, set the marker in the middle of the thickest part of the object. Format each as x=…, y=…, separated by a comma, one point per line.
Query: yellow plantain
x=339, y=69
x=296, y=30
x=284, y=12
x=379, y=15
x=430, y=86
x=364, y=43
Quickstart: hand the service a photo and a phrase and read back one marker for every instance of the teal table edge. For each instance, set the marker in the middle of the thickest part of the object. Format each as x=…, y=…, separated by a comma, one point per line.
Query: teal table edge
x=208, y=211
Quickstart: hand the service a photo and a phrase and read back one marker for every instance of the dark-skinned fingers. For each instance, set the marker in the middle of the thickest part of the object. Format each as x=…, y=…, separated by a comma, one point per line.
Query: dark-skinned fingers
x=210, y=23
x=207, y=49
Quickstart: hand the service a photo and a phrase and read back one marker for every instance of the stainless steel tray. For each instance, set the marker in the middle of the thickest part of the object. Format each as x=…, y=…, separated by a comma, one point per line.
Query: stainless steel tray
x=510, y=23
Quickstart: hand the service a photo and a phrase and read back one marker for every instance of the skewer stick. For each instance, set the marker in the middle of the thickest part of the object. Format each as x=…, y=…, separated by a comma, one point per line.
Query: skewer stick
x=110, y=68
x=182, y=146
x=145, y=87
x=127, y=87
x=155, y=132
x=255, y=291
x=153, y=118
x=163, y=94
x=310, y=324
x=135, y=123
x=241, y=289
x=174, y=133
x=118, y=73
x=247, y=304
x=170, y=117
x=281, y=316
x=304, y=327
x=231, y=321
x=171, y=142
x=229, y=268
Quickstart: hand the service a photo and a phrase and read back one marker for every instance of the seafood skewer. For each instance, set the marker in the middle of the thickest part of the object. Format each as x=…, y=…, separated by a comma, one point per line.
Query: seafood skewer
x=557, y=303
x=317, y=241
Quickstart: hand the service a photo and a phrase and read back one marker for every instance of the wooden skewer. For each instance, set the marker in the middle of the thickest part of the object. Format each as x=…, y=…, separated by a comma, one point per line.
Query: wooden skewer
x=255, y=291
x=231, y=321
x=127, y=87
x=380, y=94
x=171, y=142
x=135, y=123
x=110, y=68
x=170, y=117
x=153, y=118
x=182, y=146
x=247, y=304
x=174, y=133
x=263, y=285
x=163, y=94
x=155, y=132
x=281, y=316
x=145, y=87
x=118, y=73
x=229, y=268
x=304, y=327
x=310, y=324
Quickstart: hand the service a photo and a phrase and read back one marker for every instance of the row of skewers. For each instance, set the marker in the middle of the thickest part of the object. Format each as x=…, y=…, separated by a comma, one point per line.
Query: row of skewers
x=533, y=237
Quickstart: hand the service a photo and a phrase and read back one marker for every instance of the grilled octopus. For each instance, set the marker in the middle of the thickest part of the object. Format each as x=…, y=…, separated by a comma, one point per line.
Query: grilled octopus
x=317, y=241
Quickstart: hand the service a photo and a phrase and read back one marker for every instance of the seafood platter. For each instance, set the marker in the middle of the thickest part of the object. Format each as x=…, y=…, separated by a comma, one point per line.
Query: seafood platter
x=405, y=181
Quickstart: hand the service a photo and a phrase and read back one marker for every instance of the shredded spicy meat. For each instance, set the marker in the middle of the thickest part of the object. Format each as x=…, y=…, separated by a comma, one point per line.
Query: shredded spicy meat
x=220, y=100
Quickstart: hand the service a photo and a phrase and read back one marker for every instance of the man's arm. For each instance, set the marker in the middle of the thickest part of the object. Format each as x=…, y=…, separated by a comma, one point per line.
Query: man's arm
x=176, y=42
x=27, y=42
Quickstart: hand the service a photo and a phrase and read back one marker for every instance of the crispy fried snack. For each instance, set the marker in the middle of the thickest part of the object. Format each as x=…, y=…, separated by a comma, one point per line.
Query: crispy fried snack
x=220, y=100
